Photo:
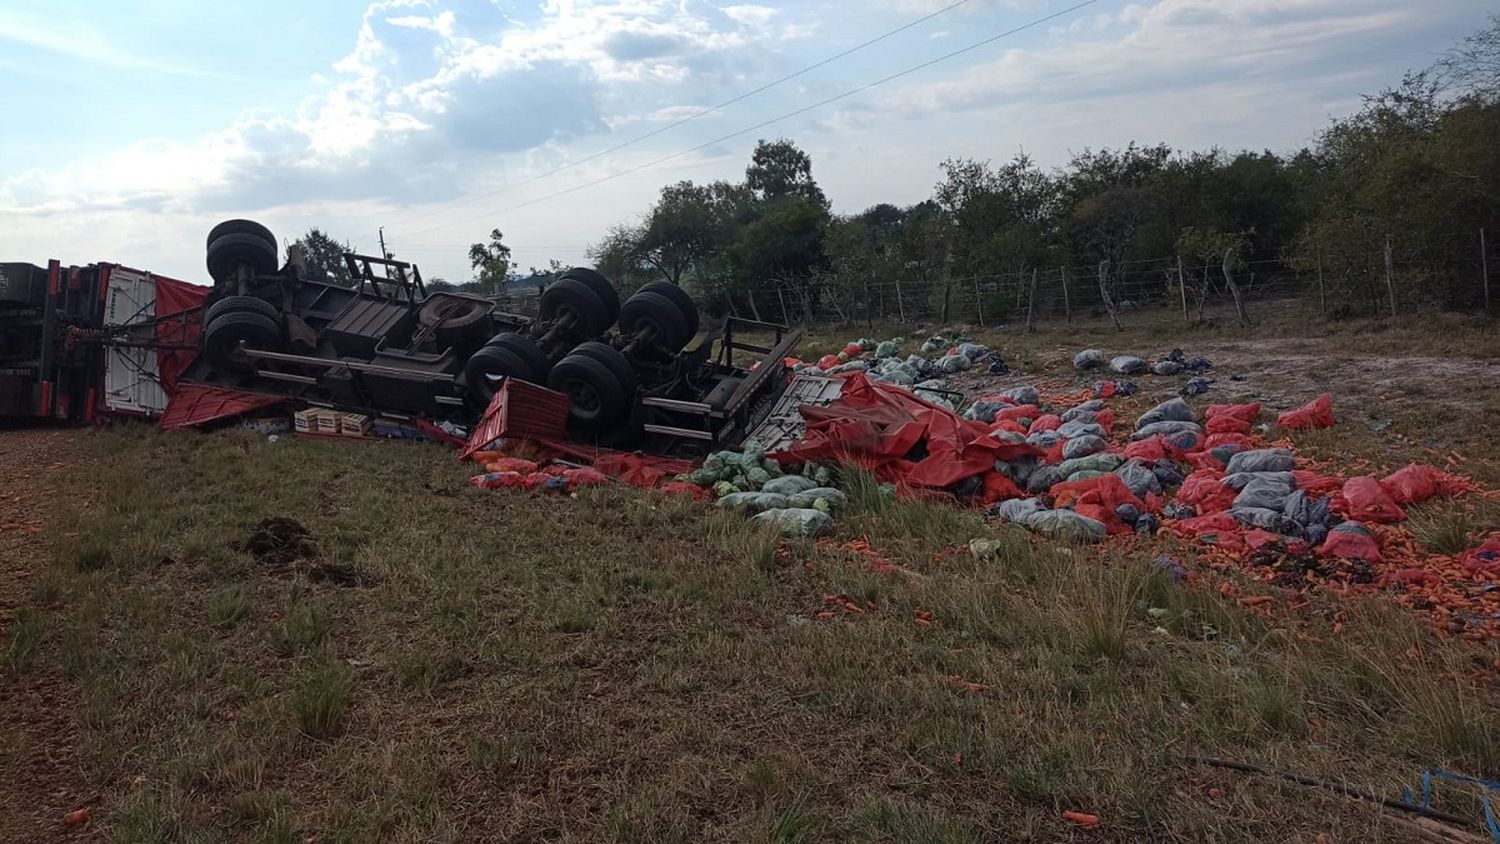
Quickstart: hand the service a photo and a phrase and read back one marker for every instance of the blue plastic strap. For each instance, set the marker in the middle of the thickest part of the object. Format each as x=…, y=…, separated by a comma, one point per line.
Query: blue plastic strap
x=1490, y=819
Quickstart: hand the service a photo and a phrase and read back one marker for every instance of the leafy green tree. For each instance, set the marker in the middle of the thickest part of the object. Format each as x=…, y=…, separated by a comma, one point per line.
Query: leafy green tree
x=779, y=169
x=491, y=264
x=325, y=258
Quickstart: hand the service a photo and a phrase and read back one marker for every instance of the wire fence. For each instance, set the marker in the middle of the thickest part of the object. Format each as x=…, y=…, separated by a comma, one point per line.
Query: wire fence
x=1379, y=283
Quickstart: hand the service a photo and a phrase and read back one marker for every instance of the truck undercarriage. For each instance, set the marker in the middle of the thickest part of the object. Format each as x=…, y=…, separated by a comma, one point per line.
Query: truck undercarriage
x=389, y=347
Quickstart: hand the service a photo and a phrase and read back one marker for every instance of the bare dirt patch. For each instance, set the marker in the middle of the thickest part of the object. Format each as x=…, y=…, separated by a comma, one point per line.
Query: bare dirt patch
x=40, y=777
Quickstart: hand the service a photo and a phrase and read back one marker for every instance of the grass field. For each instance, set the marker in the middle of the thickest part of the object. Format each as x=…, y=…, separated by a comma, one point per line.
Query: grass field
x=434, y=662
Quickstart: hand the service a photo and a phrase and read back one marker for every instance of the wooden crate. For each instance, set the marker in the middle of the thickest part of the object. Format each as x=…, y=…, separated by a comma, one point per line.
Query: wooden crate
x=306, y=421
x=354, y=425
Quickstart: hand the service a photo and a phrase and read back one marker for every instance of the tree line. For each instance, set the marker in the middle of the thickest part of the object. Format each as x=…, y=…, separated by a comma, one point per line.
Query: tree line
x=1414, y=172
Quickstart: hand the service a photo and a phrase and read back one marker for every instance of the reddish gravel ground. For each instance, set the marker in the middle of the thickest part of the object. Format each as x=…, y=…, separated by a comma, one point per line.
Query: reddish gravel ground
x=40, y=778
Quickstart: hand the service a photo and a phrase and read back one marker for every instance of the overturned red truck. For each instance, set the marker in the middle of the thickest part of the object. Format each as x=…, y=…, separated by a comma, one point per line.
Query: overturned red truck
x=79, y=342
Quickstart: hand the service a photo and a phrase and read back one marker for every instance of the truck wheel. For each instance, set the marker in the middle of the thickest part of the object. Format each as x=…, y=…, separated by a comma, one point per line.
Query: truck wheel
x=486, y=368
x=569, y=297
x=527, y=351
x=224, y=334
x=610, y=357
x=231, y=250
x=597, y=399
x=601, y=287
x=239, y=227
x=452, y=319
x=655, y=312
x=676, y=294
x=252, y=304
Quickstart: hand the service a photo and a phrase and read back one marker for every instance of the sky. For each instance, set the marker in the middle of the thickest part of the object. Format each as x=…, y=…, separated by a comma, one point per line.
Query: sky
x=133, y=127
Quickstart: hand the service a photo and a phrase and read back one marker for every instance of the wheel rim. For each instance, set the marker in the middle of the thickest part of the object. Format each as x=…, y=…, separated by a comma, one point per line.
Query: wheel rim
x=583, y=399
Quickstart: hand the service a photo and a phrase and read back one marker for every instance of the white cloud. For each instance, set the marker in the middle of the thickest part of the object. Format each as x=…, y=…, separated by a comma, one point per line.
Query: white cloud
x=418, y=92
x=80, y=41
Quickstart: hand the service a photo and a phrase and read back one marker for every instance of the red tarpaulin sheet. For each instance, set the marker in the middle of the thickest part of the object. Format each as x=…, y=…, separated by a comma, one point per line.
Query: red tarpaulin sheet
x=174, y=298
x=899, y=436
x=196, y=404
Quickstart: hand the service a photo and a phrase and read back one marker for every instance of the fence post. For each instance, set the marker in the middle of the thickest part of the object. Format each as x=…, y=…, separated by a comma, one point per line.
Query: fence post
x=1390, y=274
x=978, y=302
x=1322, y=292
x=900, y=305
x=1484, y=265
x=1067, y=306
x=1031, y=299
x=1182, y=289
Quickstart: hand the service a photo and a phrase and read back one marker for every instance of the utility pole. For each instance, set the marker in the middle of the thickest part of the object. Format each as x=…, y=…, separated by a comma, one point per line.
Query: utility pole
x=384, y=254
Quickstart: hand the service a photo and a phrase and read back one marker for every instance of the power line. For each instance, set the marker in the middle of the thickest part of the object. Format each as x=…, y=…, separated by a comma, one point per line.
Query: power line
x=803, y=110
x=694, y=116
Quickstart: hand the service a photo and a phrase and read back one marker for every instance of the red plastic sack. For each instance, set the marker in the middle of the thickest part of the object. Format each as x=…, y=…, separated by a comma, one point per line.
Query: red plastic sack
x=1007, y=425
x=693, y=491
x=1205, y=461
x=1315, y=484
x=1484, y=560
x=828, y=362
x=1351, y=541
x=1106, y=419
x=1053, y=456
x=1182, y=443
x=1238, y=441
x=1417, y=482
x=1019, y=411
x=1214, y=529
x=510, y=464
x=999, y=488
x=1231, y=418
x=1151, y=449
x=1205, y=492
x=1317, y=413
x=1045, y=422
x=499, y=480
x=584, y=477
x=1364, y=499
x=853, y=351
x=1097, y=498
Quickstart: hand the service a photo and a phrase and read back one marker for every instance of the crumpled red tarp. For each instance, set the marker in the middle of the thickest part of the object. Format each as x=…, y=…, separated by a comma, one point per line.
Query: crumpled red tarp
x=175, y=299
x=880, y=427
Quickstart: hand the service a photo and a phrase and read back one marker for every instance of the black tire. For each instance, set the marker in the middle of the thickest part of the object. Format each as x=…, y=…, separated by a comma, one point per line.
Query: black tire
x=612, y=358
x=222, y=337
x=239, y=227
x=251, y=304
x=571, y=297
x=676, y=294
x=451, y=311
x=230, y=250
x=661, y=315
x=484, y=370
x=528, y=352
x=601, y=287
x=597, y=400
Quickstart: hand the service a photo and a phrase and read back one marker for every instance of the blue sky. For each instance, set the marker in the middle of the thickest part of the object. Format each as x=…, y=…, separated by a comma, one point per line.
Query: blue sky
x=134, y=127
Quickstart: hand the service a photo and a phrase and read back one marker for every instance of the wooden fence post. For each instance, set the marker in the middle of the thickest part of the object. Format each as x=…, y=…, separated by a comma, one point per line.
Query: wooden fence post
x=1031, y=300
x=1484, y=265
x=1390, y=274
x=900, y=305
x=978, y=302
x=1067, y=306
x=1322, y=292
x=1182, y=289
